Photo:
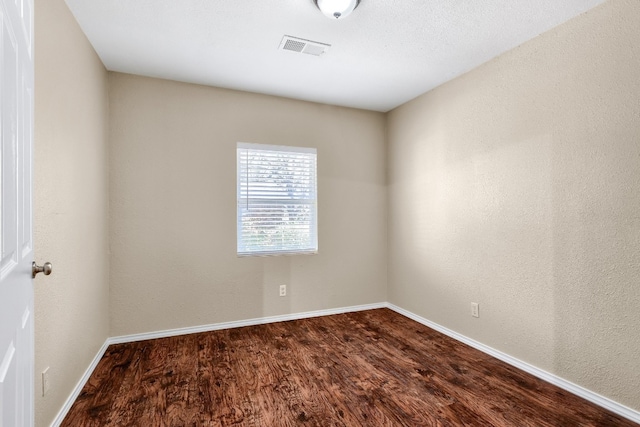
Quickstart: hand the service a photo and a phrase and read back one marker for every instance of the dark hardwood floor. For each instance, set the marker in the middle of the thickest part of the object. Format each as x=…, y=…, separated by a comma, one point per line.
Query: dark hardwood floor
x=371, y=368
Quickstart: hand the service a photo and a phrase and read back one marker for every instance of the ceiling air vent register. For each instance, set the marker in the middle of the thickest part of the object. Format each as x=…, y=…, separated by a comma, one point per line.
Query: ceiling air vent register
x=295, y=44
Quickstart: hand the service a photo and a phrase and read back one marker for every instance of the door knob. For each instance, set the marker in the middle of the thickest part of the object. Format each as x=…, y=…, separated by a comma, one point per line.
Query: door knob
x=46, y=269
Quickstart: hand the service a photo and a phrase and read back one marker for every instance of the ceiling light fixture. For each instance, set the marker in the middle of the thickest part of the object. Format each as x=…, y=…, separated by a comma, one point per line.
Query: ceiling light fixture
x=336, y=9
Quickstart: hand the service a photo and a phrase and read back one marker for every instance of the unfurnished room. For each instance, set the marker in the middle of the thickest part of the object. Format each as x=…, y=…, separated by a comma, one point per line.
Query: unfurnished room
x=320, y=213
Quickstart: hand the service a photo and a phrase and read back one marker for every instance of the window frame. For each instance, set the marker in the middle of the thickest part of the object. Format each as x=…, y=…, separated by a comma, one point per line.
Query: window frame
x=312, y=248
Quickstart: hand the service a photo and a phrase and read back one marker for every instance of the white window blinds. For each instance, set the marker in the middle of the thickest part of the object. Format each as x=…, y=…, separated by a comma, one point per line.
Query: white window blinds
x=277, y=200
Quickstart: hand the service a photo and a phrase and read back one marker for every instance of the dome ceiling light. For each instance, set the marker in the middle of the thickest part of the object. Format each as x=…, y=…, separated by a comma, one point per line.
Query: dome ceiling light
x=336, y=9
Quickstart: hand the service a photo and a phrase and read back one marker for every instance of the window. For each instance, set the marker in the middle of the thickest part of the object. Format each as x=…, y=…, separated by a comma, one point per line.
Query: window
x=277, y=200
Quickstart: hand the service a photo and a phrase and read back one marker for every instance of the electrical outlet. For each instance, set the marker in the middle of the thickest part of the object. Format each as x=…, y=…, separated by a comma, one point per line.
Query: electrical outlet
x=283, y=290
x=475, y=309
x=45, y=381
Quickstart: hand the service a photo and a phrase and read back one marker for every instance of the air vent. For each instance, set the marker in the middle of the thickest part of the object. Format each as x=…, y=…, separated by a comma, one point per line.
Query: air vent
x=294, y=44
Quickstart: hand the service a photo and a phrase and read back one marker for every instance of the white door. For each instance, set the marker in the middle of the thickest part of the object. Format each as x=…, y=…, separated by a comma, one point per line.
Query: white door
x=16, y=284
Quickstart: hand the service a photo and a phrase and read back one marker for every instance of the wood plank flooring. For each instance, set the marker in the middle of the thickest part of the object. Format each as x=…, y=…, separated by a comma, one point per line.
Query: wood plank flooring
x=371, y=368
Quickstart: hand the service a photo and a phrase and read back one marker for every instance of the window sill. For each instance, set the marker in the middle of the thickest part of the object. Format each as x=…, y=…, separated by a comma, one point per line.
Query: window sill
x=271, y=254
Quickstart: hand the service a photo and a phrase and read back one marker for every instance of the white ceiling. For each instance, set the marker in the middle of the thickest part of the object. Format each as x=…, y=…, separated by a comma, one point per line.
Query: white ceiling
x=382, y=55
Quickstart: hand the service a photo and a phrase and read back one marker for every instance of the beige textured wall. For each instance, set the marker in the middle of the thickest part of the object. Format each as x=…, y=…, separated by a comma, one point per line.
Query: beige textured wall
x=517, y=186
x=71, y=204
x=173, y=206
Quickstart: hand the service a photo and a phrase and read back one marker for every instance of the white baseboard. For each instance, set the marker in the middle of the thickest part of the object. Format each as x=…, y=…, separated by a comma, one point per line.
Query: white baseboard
x=595, y=398
x=582, y=392
x=242, y=323
x=57, y=421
